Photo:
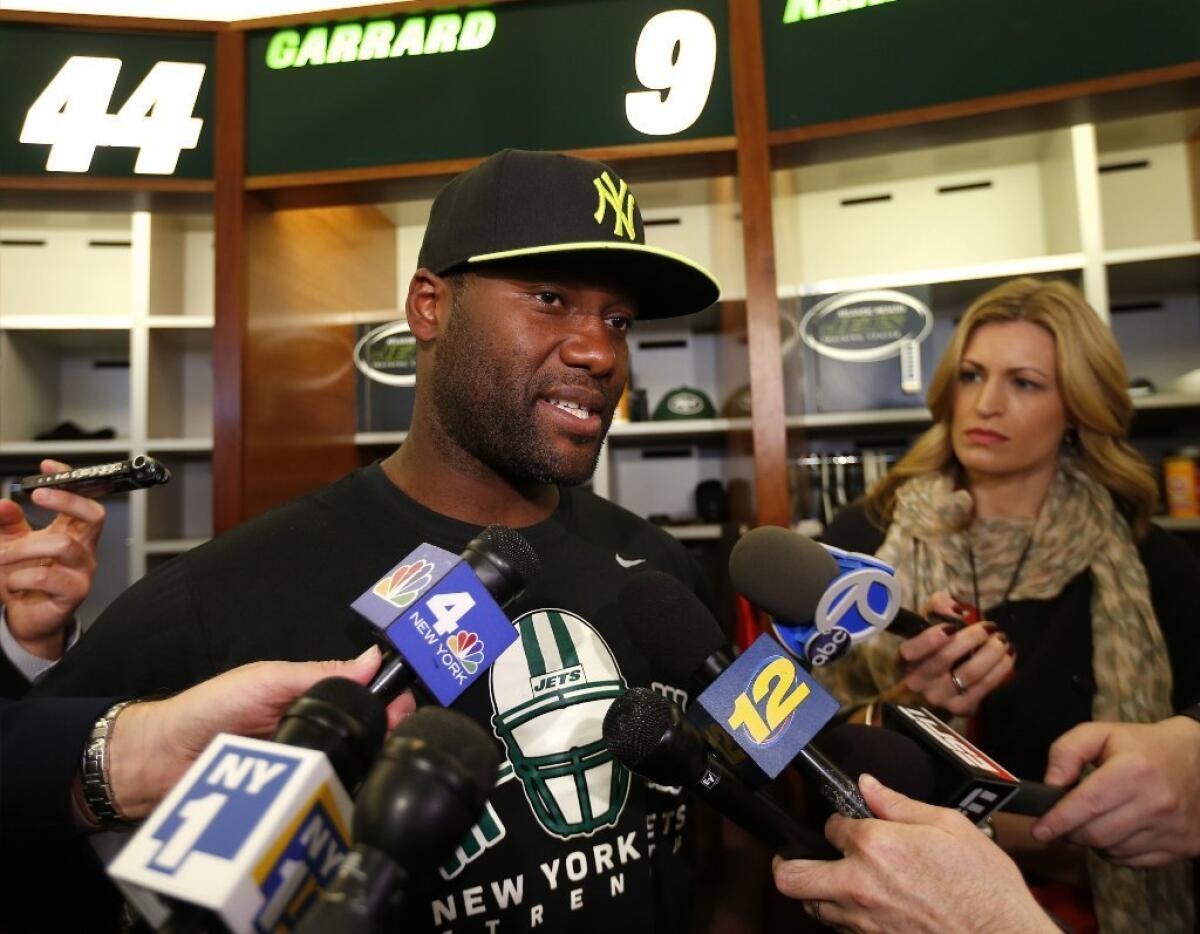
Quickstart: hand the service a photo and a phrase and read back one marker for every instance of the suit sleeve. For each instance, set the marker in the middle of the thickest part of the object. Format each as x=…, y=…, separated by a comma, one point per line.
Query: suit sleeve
x=41, y=742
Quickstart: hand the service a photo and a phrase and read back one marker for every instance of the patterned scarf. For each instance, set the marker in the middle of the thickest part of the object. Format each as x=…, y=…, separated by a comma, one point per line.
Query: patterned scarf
x=1078, y=528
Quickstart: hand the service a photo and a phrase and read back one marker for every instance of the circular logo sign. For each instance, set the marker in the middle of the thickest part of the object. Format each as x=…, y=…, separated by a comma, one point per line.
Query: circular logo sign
x=388, y=355
x=865, y=326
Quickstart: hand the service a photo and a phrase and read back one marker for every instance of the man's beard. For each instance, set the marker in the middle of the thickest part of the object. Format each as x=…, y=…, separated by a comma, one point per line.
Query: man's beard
x=488, y=414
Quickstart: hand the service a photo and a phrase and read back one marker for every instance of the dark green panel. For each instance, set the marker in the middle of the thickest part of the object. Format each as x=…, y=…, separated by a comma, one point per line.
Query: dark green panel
x=554, y=76
x=898, y=54
x=30, y=57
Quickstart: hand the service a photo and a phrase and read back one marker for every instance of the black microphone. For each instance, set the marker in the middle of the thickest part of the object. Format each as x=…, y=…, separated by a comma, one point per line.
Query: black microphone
x=426, y=791
x=949, y=770
x=336, y=717
x=896, y=760
x=651, y=737
x=675, y=630
x=503, y=561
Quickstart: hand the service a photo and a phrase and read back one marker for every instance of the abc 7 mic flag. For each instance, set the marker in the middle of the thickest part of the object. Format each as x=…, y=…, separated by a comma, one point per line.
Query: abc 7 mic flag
x=858, y=604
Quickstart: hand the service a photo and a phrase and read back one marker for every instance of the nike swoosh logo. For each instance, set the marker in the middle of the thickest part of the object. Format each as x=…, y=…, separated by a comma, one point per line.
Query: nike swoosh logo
x=630, y=562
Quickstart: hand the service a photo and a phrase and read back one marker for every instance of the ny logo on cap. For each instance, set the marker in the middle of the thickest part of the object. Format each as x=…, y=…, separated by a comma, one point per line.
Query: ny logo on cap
x=622, y=202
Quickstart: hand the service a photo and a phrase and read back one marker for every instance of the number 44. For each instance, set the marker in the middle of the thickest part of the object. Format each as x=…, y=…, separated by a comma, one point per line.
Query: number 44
x=71, y=115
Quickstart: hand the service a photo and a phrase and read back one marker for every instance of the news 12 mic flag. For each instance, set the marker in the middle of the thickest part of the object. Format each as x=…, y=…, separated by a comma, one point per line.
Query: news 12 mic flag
x=253, y=831
x=439, y=615
x=858, y=604
x=770, y=705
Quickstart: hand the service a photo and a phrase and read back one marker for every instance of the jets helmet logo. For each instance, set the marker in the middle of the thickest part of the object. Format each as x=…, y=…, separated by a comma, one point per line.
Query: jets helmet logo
x=550, y=691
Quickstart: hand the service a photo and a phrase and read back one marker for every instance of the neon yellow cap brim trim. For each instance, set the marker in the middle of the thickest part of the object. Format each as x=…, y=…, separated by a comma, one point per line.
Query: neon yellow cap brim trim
x=597, y=245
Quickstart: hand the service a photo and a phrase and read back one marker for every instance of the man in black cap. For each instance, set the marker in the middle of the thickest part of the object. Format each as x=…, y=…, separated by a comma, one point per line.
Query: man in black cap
x=533, y=269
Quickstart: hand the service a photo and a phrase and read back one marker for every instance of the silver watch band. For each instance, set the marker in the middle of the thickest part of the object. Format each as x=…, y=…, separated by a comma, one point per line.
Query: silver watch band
x=93, y=771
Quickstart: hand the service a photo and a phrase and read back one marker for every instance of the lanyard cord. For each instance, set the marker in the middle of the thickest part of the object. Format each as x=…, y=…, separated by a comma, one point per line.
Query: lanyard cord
x=1011, y=584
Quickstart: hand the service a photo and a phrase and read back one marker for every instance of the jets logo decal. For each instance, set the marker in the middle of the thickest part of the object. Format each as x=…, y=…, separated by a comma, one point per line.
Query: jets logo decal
x=550, y=690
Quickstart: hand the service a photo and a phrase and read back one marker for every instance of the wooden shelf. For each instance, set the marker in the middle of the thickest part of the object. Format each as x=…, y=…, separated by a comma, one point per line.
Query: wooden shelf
x=173, y=546
x=66, y=322
x=380, y=437
x=56, y=449
x=199, y=322
x=1003, y=269
x=1166, y=400
x=1177, y=523
x=679, y=428
x=178, y=445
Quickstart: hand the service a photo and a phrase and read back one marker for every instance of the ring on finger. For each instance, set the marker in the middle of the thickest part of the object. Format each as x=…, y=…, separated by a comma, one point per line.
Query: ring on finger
x=957, y=682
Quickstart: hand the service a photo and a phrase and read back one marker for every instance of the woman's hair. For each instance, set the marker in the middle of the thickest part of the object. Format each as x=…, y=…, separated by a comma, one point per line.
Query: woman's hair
x=1091, y=380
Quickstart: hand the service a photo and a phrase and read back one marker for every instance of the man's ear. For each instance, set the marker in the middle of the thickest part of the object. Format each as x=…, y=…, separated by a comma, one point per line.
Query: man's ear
x=427, y=305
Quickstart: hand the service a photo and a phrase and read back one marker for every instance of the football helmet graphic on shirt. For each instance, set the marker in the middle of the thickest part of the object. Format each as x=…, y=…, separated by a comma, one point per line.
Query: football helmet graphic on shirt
x=550, y=691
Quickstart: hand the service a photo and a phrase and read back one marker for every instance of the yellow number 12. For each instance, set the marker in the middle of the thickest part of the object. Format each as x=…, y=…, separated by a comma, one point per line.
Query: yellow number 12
x=775, y=679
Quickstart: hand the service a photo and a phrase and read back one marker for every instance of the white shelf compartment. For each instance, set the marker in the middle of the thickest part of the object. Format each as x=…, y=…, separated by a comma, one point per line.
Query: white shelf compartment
x=660, y=479
x=1147, y=179
x=179, y=398
x=182, y=509
x=1154, y=305
x=181, y=263
x=66, y=263
x=981, y=203
x=52, y=376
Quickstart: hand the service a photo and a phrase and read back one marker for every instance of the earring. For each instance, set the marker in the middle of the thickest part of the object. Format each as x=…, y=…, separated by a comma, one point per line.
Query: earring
x=1071, y=437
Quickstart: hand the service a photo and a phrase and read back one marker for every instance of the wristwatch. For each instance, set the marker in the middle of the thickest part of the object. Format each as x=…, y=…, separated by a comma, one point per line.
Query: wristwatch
x=93, y=771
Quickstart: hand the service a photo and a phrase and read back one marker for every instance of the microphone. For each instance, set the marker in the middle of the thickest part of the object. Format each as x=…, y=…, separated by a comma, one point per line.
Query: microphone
x=440, y=615
x=822, y=599
x=254, y=828
x=651, y=737
x=967, y=779
x=425, y=792
x=675, y=630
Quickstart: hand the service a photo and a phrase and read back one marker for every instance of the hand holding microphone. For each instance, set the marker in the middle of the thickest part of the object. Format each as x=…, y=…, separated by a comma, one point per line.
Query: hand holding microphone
x=1141, y=806
x=955, y=668
x=919, y=868
x=154, y=742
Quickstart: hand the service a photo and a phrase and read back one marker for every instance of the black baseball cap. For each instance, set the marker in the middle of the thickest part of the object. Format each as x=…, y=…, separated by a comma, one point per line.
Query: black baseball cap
x=522, y=204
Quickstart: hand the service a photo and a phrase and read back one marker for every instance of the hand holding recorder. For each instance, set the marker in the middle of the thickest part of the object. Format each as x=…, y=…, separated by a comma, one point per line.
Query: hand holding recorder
x=46, y=574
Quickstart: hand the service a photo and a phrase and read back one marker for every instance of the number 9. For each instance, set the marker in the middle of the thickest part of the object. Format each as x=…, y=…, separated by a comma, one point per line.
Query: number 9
x=686, y=75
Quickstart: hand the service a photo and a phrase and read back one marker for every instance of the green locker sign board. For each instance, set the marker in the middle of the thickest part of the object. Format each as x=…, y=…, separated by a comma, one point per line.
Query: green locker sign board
x=104, y=104
x=829, y=60
x=449, y=83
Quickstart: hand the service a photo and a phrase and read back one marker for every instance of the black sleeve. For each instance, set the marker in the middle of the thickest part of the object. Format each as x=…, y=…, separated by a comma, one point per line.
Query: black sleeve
x=1174, y=576
x=148, y=643
x=41, y=741
x=12, y=682
x=852, y=530
x=52, y=879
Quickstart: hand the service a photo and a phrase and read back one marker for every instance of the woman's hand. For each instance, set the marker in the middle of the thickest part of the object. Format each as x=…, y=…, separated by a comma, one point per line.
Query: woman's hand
x=955, y=669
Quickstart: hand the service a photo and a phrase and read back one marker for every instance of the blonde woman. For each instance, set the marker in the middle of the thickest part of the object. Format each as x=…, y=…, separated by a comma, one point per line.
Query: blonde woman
x=1026, y=503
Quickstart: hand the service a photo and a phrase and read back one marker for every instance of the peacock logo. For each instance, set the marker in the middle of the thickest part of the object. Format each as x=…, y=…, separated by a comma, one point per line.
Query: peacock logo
x=402, y=587
x=467, y=647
